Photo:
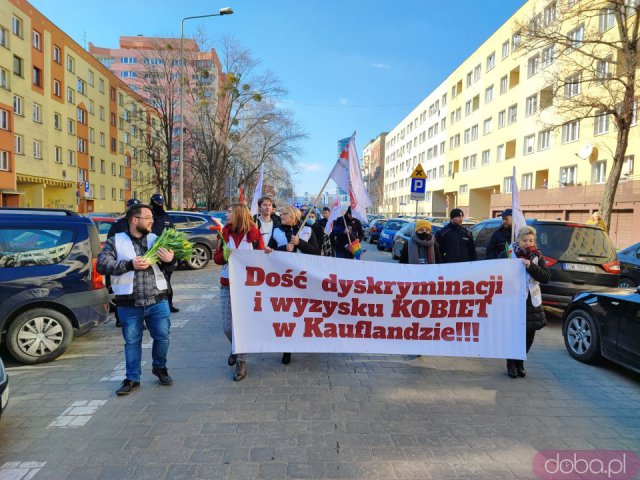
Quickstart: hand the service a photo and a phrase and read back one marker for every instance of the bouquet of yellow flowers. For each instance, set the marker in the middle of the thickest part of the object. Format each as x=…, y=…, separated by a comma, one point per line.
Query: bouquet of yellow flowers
x=172, y=240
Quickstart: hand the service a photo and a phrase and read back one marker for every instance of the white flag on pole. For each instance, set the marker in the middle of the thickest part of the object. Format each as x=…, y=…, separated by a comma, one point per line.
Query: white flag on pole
x=517, y=215
x=257, y=193
x=336, y=212
x=347, y=174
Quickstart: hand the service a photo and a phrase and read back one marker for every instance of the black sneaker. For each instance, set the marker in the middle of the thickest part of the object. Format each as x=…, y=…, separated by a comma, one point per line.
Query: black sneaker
x=127, y=387
x=286, y=358
x=163, y=376
x=173, y=309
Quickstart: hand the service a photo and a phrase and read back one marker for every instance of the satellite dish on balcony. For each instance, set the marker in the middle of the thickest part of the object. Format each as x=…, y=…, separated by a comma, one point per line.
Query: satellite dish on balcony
x=586, y=151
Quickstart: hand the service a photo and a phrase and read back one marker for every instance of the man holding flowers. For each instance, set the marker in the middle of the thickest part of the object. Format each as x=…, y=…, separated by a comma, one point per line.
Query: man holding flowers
x=135, y=260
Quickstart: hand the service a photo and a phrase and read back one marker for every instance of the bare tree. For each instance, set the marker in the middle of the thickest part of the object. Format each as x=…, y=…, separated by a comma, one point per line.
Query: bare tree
x=590, y=51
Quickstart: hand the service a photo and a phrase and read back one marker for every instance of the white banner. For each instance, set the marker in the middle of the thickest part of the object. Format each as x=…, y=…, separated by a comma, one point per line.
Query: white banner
x=284, y=302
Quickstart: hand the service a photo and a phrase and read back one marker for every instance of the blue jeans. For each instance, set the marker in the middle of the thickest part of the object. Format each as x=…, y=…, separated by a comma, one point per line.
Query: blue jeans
x=157, y=318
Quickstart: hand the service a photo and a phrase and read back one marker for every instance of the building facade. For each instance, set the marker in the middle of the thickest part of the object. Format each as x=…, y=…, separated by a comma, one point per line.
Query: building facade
x=373, y=168
x=64, y=138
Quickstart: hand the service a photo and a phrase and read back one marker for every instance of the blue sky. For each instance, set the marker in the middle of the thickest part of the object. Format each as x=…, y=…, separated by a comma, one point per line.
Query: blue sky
x=349, y=65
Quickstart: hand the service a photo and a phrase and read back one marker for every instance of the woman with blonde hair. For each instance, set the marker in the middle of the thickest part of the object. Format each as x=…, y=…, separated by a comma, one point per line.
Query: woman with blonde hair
x=524, y=249
x=290, y=236
x=240, y=233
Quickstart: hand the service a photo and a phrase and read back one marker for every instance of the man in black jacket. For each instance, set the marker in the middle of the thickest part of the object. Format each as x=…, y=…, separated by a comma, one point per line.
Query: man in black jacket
x=162, y=220
x=346, y=229
x=501, y=238
x=455, y=241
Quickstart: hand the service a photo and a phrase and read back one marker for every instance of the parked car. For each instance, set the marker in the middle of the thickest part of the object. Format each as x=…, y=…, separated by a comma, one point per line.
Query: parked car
x=604, y=324
x=203, y=230
x=372, y=232
x=221, y=216
x=403, y=235
x=629, y=266
x=103, y=214
x=103, y=224
x=49, y=286
x=4, y=388
x=385, y=242
x=581, y=257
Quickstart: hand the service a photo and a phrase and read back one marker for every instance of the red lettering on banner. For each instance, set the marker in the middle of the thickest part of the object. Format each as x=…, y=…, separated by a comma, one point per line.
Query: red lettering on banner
x=283, y=329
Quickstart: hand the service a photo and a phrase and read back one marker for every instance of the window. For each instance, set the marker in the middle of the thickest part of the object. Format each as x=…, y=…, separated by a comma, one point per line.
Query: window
x=102, y=166
x=488, y=94
x=486, y=157
x=516, y=39
x=71, y=157
x=469, y=78
x=507, y=184
x=37, y=149
x=467, y=108
x=57, y=88
x=533, y=65
x=476, y=73
x=601, y=124
x=491, y=61
x=16, y=26
x=82, y=145
x=467, y=135
x=18, y=144
x=71, y=64
x=113, y=193
x=17, y=66
x=121, y=174
x=56, y=54
x=101, y=85
x=465, y=164
x=82, y=87
x=505, y=49
x=57, y=121
x=527, y=181
x=92, y=135
x=128, y=60
x=512, y=116
x=627, y=166
x=18, y=103
x=71, y=126
x=101, y=112
x=71, y=95
x=548, y=56
x=568, y=175
x=531, y=105
x=473, y=161
x=37, y=113
x=529, y=144
x=4, y=119
x=606, y=19
x=4, y=78
x=486, y=126
x=572, y=85
x=599, y=172
x=576, y=36
x=82, y=116
x=4, y=37
x=549, y=13
x=91, y=77
x=474, y=132
x=37, y=40
x=500, y=153
x=503, y=84
x=102, y=139
x=4, y=160
x=544, y=139
x=57, y=153
x=37, y=77
x=502, y=115
x=92, y=107
x=602, y=69
x=571, y=131
x=464, y=189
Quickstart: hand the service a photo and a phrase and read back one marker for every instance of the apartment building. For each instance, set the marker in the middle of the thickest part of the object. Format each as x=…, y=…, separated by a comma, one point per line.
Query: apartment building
x=420, y=138
x=502, y=114
x=373, y=168
x=61, y=143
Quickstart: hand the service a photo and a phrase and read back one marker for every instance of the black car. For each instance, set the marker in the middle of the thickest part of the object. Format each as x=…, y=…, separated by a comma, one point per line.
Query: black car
x=629, y=266
x=49, y=286
x=581, y=257
x=604, y=324
x=372, y=232
x=4, y=388
x=202, y=230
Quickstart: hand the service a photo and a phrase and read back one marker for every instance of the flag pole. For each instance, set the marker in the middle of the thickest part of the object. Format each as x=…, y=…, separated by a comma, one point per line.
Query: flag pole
x=304, y=220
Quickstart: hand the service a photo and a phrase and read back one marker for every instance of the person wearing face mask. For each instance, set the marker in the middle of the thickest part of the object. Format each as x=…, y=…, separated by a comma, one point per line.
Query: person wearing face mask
x=312, y=222
x=346, y=229
x=422, y=248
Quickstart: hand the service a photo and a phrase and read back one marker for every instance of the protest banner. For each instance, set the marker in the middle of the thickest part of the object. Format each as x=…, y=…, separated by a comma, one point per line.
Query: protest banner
x=284, y=302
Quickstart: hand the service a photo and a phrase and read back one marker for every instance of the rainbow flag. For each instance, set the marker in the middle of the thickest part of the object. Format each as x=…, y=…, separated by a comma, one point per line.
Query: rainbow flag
x=355, y=249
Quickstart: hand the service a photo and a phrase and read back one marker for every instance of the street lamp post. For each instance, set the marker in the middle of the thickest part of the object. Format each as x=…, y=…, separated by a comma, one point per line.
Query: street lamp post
x=221, y=12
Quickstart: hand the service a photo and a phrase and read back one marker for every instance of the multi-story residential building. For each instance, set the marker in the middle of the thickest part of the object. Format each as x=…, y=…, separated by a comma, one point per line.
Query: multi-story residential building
x=503, y=113
x=373, y=167
x=419, y=138
x=60, y=141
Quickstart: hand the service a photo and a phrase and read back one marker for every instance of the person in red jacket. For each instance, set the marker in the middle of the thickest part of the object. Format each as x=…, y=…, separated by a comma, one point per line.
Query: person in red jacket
x=240, y=233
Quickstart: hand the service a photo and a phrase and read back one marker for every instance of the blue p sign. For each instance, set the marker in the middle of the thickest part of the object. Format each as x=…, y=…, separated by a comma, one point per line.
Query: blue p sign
x=418, y=185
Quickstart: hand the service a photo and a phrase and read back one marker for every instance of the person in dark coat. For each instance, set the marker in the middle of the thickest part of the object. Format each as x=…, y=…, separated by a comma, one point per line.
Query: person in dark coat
x=524, y=248
x=162, y=220
x=455, y=241
x=326, y=211
x=501, y=238
x=345, y=230
x=422, y=248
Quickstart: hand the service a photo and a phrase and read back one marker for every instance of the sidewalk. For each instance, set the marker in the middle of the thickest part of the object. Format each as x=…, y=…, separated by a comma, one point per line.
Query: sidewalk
x=322, y=416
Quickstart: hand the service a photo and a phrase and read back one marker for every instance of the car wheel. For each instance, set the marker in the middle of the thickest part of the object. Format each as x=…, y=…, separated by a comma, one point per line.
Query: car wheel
x=39, y=335
x=380, y=247
x=393, y=255
x=199, y=258
x=626, y=283
x=581, y=336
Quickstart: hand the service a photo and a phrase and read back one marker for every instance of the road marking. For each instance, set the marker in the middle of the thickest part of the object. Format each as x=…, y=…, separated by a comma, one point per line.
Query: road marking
x=205, y=296
x=119, y=372
x=194, y=308
x=78, y=414
x=179, y=323
x=20, y=470
x=148, y=343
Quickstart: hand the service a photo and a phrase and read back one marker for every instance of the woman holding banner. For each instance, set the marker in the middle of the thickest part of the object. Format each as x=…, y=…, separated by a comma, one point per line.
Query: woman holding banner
x=240, y=233
x=524, y=248
x=292, y=237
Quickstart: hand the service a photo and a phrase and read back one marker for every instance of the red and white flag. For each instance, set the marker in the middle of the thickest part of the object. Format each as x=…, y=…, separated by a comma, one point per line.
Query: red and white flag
x=336, y=212
x=347, y=174
x=257, y=193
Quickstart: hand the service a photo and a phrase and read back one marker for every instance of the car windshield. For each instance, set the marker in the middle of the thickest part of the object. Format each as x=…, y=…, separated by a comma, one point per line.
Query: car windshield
x=27, y=247
x=394, y=224
x=568, y=242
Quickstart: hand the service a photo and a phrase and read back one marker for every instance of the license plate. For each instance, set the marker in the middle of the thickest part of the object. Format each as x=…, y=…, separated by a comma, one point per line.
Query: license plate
x=5, y=398
x=579, y=267
x=384, y=235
